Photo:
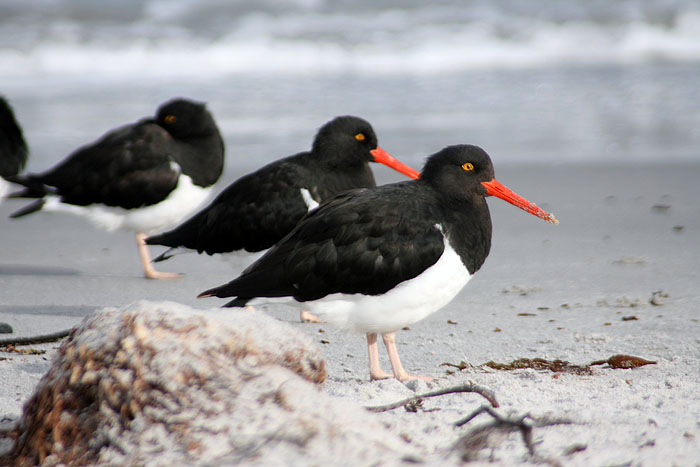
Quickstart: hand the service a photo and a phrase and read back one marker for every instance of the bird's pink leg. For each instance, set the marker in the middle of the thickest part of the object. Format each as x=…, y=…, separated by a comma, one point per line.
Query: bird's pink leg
x=148, y=269
x=375, y=371
x=399, y=373
x=306, y=317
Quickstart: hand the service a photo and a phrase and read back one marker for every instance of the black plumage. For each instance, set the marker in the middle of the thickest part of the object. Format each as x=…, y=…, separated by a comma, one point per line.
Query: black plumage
x=146, y=176
x=13, y=148
x=368, y=241
x=133, y=166
x=379, y=259
x=257, y=210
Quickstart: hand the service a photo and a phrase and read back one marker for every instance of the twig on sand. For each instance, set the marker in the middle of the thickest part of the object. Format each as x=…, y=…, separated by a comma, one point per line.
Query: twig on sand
x=482, y=391
x=42, y=339
x=524, y=423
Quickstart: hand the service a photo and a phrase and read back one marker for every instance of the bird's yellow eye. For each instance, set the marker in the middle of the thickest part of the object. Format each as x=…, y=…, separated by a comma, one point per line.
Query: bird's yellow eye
x=468, y=166
x=170, y=119
x=360, y=137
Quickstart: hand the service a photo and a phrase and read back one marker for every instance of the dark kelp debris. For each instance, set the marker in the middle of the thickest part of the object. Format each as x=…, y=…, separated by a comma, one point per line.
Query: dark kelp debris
x=460, y=366
x=556, y=366
x=624, y=362
x=12, y=348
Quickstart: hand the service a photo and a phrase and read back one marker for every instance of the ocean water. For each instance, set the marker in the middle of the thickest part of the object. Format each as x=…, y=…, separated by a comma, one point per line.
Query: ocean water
x=536, y=82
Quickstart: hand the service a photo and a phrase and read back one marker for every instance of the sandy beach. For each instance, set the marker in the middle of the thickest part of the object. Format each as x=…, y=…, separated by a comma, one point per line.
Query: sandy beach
x=581, y=291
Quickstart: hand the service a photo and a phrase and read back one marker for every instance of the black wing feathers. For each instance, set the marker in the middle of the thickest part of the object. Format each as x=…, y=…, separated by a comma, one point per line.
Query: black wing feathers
x=358, y=242
x=251, y=214
x=13, y=148
x=129, y=167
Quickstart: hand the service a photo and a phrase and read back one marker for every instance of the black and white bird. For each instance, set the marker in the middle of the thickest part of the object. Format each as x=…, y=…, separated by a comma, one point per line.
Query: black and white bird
x=13, y=148
x=376, y=260
x=142, y=177
x=258, y=209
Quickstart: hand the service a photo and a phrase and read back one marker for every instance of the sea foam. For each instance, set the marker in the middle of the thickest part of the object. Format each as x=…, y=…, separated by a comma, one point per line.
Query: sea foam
x=181, y=38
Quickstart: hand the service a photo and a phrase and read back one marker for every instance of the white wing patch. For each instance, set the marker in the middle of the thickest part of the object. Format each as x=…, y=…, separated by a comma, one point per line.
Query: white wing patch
x=308, y=199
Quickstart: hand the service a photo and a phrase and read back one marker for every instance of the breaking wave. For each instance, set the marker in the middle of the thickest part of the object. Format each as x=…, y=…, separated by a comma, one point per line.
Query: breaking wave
x=211, y=37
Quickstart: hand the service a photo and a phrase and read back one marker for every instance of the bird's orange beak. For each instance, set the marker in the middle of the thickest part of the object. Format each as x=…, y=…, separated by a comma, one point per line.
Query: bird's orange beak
x=495, y=188
x=387, y=159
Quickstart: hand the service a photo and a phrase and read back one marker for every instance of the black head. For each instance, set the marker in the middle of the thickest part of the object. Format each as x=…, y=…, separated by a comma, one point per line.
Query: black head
x=345, y=140
x=458, y=171
x=184, y=118
x=13, y=148
x=464, y=172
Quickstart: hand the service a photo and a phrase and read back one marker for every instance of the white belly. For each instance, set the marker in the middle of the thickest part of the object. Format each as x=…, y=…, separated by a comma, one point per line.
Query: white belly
x=405, y=304
x=180, y=204
x=4, y=188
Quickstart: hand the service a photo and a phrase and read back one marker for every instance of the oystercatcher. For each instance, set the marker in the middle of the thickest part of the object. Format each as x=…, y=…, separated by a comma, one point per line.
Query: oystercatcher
x=141, y=177
x=376, y=260
x=258, y=209
x=13, y=148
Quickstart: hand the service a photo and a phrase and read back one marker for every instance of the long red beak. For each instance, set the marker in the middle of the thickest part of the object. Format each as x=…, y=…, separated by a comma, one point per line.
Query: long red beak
x=494, y=188
x=385, y=158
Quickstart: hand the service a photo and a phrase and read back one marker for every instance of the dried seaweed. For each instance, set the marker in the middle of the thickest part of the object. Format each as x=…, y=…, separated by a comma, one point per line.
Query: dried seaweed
x=12, y=348
x=624, y=362
x=460, y=366
x=556, y=366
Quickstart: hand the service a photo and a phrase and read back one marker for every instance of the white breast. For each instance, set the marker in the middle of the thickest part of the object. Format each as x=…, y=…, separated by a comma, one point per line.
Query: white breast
x=4, y=188
x=180, y=204
x=407, y=303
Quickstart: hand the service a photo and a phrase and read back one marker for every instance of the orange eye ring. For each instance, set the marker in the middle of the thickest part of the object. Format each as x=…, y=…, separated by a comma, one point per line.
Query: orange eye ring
x=170, y=119
x=360, y=137
x=468, y=166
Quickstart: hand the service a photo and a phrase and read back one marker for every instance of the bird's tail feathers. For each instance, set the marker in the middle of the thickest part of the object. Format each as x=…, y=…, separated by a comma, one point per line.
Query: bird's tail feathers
x=32, y=188
x=167, y=254
x=28, y=209
x=209, y=293
x=184, y=235
x=222, y=292
x=239, y=302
